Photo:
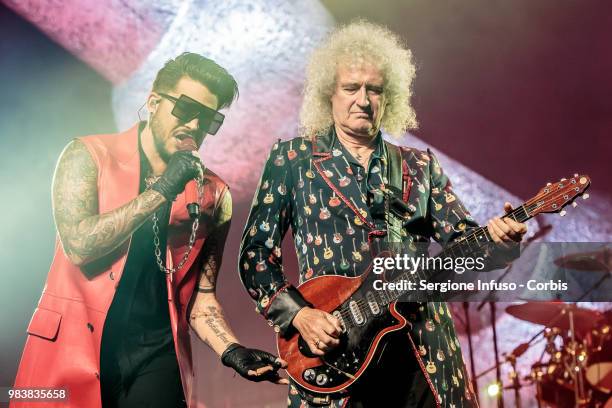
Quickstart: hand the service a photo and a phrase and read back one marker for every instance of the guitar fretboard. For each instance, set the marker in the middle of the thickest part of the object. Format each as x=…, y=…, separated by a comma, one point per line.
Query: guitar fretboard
x=466, y=245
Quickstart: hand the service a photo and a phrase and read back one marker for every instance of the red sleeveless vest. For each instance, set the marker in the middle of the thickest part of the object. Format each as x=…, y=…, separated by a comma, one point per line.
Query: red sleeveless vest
x=62, y=349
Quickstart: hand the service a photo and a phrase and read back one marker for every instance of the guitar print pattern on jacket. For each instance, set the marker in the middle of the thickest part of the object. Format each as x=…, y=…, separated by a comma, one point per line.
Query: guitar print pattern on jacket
x=334, y=232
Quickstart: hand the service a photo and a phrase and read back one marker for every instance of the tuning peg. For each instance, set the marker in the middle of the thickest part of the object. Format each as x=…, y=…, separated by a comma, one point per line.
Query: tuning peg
x=563, y=179
x=575, y=174
x=562, y=213
x=548, y=184
x=585, y=196
x=574, y=204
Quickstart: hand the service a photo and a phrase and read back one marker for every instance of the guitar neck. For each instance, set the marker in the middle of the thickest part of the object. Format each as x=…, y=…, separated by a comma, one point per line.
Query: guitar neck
x=466, y=245
x=552, y=198
x=478, y=237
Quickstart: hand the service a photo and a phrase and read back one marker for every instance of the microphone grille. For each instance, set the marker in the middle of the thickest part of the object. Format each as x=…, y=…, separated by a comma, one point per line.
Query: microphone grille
x=187, y=144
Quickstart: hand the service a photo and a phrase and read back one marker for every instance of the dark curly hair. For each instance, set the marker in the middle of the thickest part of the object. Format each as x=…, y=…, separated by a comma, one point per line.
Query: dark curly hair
x=201, y=69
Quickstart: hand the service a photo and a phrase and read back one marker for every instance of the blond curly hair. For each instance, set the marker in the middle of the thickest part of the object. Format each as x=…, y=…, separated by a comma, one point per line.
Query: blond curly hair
x=359, y=42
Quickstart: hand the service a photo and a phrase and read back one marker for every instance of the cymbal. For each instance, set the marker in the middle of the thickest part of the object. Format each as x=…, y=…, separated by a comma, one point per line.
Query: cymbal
x=555, y=314
x=595, y=261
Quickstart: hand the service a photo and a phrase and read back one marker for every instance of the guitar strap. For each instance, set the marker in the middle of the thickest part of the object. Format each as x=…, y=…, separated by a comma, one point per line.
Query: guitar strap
x=394, y=154
x=399, y=181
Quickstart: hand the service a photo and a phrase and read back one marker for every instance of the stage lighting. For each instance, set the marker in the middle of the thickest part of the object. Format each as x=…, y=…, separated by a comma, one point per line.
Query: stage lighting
x=493, y=390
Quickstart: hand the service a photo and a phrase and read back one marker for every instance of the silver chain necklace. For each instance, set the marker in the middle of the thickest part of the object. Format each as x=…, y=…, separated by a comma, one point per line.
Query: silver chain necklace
x=192, y=237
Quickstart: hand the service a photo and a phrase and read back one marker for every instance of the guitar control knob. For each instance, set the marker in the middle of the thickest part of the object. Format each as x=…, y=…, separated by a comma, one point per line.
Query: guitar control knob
x=321, y=379
x=309, y=375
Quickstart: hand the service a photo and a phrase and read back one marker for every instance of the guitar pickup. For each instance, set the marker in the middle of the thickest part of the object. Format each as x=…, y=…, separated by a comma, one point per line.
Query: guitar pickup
x=338, y=315
x=373, y=304
x=356, y=313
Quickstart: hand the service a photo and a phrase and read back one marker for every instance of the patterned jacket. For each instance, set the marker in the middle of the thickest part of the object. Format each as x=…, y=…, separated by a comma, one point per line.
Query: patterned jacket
x=307, y=185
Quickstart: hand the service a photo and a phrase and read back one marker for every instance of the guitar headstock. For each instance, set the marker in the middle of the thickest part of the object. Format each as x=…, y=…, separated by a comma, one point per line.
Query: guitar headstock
x=555, y=196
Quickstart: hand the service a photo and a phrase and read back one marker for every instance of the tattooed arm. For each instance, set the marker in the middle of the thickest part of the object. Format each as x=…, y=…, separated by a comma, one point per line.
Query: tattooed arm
x=85, y=234
x=206, y=315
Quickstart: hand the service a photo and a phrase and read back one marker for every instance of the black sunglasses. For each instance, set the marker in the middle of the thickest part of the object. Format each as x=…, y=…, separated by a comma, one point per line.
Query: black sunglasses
x=187, y=109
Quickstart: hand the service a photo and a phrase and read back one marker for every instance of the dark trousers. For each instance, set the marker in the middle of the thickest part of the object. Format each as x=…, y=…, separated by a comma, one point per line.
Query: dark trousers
x=156, y=385
x=395, y=382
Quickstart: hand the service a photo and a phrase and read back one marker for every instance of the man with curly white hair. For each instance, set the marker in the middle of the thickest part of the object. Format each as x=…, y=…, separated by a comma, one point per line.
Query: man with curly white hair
x=333, y=186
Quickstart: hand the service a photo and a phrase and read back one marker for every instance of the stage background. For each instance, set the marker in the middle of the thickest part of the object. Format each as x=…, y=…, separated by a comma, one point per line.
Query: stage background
x=518, y=92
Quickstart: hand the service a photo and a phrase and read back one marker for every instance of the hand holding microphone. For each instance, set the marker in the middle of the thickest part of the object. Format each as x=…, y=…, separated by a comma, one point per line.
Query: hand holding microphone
x=183, y=167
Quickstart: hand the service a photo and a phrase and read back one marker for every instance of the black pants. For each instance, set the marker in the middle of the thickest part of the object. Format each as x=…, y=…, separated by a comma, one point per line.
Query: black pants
x=156, y=385
x=395, y=382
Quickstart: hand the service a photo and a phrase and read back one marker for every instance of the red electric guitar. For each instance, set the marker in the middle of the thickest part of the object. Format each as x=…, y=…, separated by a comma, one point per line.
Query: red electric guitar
x=367, y=315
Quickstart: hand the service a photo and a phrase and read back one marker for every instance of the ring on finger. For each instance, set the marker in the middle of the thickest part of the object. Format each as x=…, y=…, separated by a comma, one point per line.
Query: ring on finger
x=317, y=342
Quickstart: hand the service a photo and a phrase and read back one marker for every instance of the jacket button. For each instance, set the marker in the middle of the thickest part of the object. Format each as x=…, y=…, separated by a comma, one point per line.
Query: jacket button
x=277, y=328
x=90, y=327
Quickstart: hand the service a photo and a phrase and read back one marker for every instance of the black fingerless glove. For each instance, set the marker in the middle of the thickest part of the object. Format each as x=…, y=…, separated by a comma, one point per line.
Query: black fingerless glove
x=243, y=360
x=182, y=167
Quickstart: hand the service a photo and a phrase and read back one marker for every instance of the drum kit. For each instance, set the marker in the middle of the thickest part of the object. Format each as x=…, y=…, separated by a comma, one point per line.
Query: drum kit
x=575, y=368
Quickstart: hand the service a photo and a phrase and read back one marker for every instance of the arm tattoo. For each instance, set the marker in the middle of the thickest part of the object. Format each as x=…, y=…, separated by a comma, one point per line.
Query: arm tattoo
x=216, y=331
x=214, y=319
x=210, y=268
x=214, y=244
x=85, y=234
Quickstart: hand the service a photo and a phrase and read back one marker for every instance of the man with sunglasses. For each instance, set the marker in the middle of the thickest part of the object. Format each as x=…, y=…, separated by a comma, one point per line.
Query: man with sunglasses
x=133, y=270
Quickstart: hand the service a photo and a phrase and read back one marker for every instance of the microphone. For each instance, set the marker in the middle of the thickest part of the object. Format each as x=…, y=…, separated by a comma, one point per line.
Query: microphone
x=191, y=188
